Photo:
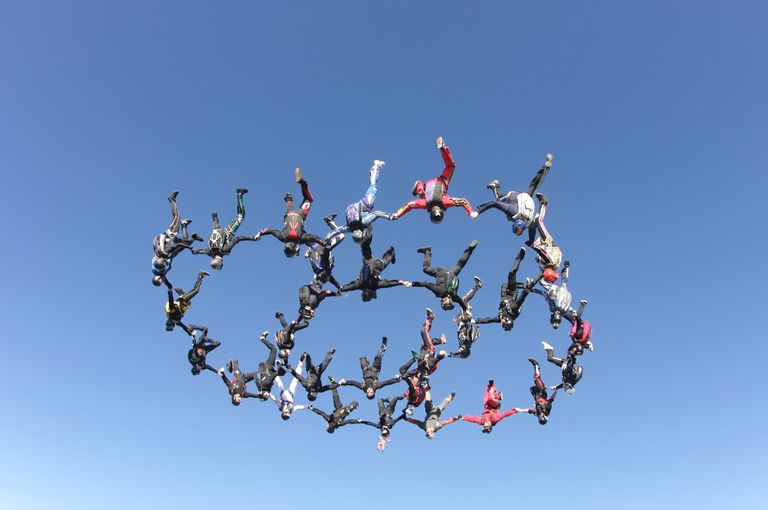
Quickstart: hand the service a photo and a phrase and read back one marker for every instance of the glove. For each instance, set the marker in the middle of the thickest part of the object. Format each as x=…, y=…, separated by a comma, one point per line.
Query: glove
x=474, y=215
x=393, y=216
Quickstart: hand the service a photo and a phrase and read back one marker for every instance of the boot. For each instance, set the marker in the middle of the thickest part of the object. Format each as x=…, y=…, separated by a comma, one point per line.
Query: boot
x=424, y=249
x=173, y=196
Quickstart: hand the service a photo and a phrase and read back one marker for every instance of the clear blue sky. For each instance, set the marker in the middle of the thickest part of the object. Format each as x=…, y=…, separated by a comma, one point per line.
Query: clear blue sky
x=655, y=112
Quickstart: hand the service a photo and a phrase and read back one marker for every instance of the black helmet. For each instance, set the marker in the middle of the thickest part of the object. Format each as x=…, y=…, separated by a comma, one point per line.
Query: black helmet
x=157, y=281
x=436, y=215
x=291, y=249
x=368, y=294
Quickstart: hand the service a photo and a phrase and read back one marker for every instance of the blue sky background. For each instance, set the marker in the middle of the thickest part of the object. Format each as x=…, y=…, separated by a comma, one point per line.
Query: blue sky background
x=655, y=113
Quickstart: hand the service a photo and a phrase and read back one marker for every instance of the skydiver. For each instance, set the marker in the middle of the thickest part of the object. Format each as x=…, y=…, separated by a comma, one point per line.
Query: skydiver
x=446, y=286
x=426, y=360
x=286, y=403
x=386, y=422
x=310, y=297
x=168, y=244
x=558, y=298
x=197, y=355
x=369, y=280
x=266, y=373
x=293, y=234
x=175, y=310
x=222, y=240
x=491, y=405
x=337, y=418
x=239, y=382
x=542, y=403
x=548, y=254
x=370, y=382
x=382, y=443
x=433, y=195
x=466, y=333
x=361, y=214
x=417, y=389
x=518, y=206
x=571, y=370
x=511, y=303
x=432, y=423
x=322, y=261
x=285, y=338
x=312, y=382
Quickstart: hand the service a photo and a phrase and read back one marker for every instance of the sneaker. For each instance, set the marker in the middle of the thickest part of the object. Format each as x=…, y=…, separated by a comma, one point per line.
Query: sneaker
x=533, y=362
x=329, y=220
x=549, y=161
x=197, y=237
x=542, y=199
x=173, y=196
x=473, y=244
x=547, y=347
x=229, y=367
x=415, y=188
x=204, y=273
x=184, y=223
x=378, y=163
x=493, y=185
x=478, y=282
x=299, y=177
x=440, y=143
x=393, y=256
x=424, y=249
x=242, y=191
x=430, y=314
x=332, y=351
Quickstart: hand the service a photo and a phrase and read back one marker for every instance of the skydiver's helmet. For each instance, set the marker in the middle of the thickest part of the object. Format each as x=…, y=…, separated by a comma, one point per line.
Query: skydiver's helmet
x=464, y=352
x=157, y=281
x=285, y=415
x=358, y=236
x=430, y=433
x=312, y=395
x=507, y=323
x=384, y=430
x=236, y=399
x=195, y=371
x=518, y=227
x=284, y=353
x=291, y=249
x=586, y=332
x=543, y=419
x=549, y=275
x=368, y=294
x=331, y=427
x=447, y=303
x=569, y=389
x=436, y=215
x=159, y=264
x=555, y=319
x=217, y=262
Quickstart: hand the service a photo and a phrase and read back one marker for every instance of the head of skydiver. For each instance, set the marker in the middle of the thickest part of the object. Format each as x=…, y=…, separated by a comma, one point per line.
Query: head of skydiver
x=549, y=275
x=384, y=430
x=159, y=264
x=569, y=389
x=370, y=392
x=217, y=262
x=157, y=281
x=331, y=427
x=447, y=303
x=436, y=214
x=368, y=294
x=430, y=433
x=360, y=235
x=312, y=394
x=285, y=414
x=543, y=418
x=487, y=426
x=291, y=249
x=518, y=227
x=264, y=395
x=236, y=399
x=195, y=370
x=464, y=351
x=555, y=319
x=507, y=323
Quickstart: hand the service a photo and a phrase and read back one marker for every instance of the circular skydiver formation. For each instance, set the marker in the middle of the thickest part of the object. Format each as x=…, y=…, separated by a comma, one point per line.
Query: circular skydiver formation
x=415, y=373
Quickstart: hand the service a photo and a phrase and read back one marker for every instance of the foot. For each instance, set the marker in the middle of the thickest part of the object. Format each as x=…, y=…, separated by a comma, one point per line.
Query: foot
x=415, y=188
x=229, y=367
x=549, y=161
x=173, y=196
x=542, y=198
x=299, y=177
x=478, y=282
x=547, y=347
x=493, y=185
x=440, y=143
x=473, y=244
x=197, y=237
x=288, y=197
x=384, y=341
x=242, y=191
x=533, y=362
x=378, y=163
x=521, y=254
x=179, y=291
x=424, y=249
x=184, y=223
x=393, y=256
x=430, y=314
x=329, y=220
x=453, y=394
x=332, y=351
x=204, y=273
x=278, y=315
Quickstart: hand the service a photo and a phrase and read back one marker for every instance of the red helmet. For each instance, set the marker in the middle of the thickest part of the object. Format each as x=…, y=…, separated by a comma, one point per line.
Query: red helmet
x=550, y=275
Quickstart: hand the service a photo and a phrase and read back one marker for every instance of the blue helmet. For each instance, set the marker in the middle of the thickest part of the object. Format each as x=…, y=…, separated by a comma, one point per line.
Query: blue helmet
x=518, y=226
